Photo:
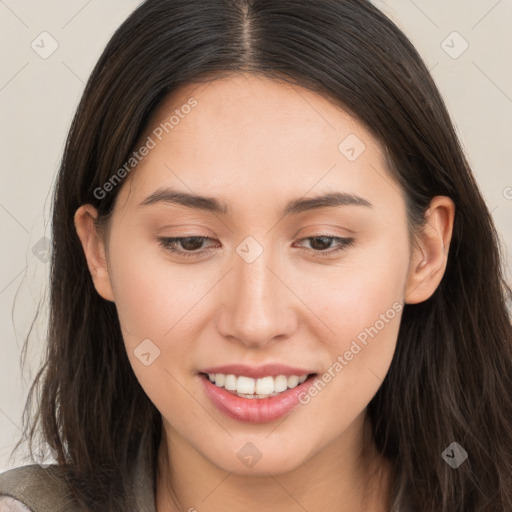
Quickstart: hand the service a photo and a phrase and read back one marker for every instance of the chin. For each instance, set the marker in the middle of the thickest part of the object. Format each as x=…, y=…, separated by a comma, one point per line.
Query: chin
x=249, y=460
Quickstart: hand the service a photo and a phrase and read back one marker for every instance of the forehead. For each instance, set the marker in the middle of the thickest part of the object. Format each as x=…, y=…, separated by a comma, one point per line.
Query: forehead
x=247, y=134
x=255, y=104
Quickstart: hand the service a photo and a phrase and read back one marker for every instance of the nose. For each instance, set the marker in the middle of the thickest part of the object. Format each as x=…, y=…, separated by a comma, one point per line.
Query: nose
x=257, y=305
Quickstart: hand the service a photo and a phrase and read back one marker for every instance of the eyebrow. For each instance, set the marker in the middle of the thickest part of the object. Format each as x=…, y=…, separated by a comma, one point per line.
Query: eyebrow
x=213, y=205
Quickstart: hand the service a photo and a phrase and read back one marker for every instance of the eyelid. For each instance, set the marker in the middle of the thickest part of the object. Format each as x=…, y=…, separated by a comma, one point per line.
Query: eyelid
x=323, y=229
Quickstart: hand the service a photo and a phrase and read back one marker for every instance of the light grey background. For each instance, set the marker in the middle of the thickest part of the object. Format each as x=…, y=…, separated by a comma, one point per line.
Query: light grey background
x=38, y=97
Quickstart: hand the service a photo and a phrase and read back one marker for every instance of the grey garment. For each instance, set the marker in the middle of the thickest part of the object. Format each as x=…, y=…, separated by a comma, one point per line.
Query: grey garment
x=40, y=489
x=44, y=489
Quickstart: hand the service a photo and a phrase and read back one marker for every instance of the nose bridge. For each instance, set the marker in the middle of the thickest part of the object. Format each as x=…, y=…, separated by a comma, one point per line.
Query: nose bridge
x=256, y=309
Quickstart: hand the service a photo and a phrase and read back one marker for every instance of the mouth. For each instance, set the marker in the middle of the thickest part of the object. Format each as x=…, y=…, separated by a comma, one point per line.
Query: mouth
x=256, y=400
x=260, y=388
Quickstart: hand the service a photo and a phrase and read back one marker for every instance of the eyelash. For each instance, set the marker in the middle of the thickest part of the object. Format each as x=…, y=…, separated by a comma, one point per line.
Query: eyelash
x=344, y=243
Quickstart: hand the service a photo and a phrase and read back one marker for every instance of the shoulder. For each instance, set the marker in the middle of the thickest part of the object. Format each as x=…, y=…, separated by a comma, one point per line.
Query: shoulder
x=38, y=488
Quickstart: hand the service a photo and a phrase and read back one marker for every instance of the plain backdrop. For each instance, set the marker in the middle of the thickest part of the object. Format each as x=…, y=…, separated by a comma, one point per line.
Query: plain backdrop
x=48, y=50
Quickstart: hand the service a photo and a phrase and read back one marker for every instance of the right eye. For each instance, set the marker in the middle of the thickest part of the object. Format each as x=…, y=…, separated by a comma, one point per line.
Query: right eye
x=189, y=243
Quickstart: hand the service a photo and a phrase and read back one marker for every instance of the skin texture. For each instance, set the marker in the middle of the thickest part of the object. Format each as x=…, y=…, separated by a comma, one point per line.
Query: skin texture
x=256, y=144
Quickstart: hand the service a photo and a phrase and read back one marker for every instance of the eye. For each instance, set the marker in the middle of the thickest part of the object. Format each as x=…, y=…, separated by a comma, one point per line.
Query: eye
x=326, y=242
x=191, y=245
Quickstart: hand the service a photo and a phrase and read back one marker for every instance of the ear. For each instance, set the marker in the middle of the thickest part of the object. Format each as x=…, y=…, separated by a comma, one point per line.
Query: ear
x=94, y=249
x=430, y=253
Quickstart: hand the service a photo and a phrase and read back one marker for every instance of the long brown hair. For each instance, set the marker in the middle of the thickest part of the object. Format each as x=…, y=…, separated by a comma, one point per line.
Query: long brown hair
x=451, y=376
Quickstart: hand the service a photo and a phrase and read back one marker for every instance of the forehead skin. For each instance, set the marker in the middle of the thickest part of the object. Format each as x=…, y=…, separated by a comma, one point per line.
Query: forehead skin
x=253, y=137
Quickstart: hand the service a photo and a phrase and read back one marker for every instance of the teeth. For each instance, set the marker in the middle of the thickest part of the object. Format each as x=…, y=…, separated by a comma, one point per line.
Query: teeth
x=230, y=383
x=264, y=387
x=244, y=385
x=293, y=381
x=280, y=383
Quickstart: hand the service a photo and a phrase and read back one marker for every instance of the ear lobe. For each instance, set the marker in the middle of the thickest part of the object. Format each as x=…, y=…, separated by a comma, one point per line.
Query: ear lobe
x=94, y=249
x=430, y=254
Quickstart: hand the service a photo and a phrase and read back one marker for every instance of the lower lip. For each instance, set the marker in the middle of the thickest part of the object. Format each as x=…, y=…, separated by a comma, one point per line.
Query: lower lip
x=255, y=410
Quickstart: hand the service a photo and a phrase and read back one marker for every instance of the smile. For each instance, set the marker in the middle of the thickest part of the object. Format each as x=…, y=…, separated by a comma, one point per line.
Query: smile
x=255, y=399
x=247, y=387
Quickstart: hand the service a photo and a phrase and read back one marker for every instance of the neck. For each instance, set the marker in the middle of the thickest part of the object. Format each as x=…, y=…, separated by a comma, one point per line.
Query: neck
x=334, y=479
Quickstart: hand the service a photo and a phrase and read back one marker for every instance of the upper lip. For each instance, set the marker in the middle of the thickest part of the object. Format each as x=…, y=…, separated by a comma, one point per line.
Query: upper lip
x=266, y=370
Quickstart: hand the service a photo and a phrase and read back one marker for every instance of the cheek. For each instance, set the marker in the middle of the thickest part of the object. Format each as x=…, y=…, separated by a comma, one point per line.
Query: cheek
x=353, y=294
x=361, y=303
x=155, y=301
x=150, y=293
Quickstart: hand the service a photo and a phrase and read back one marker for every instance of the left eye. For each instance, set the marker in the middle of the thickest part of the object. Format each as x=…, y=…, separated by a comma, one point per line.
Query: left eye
x=325, y=240
x=193, y=243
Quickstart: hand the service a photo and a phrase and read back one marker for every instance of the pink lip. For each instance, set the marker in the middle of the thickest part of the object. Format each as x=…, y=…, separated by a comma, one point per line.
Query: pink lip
x=256, y=372
x=254, y=410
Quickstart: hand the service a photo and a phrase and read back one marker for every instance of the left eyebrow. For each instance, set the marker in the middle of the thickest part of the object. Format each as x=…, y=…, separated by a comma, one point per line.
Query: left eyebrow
x=213, y=205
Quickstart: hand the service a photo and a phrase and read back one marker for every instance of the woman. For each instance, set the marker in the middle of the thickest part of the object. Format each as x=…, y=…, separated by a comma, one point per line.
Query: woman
x=275, y=284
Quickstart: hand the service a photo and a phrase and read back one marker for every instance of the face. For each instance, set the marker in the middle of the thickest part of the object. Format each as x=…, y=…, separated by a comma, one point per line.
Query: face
x=271, y=283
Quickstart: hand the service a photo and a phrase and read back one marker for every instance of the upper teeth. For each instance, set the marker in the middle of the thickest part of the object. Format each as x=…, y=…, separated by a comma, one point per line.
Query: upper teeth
x=256, y=388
